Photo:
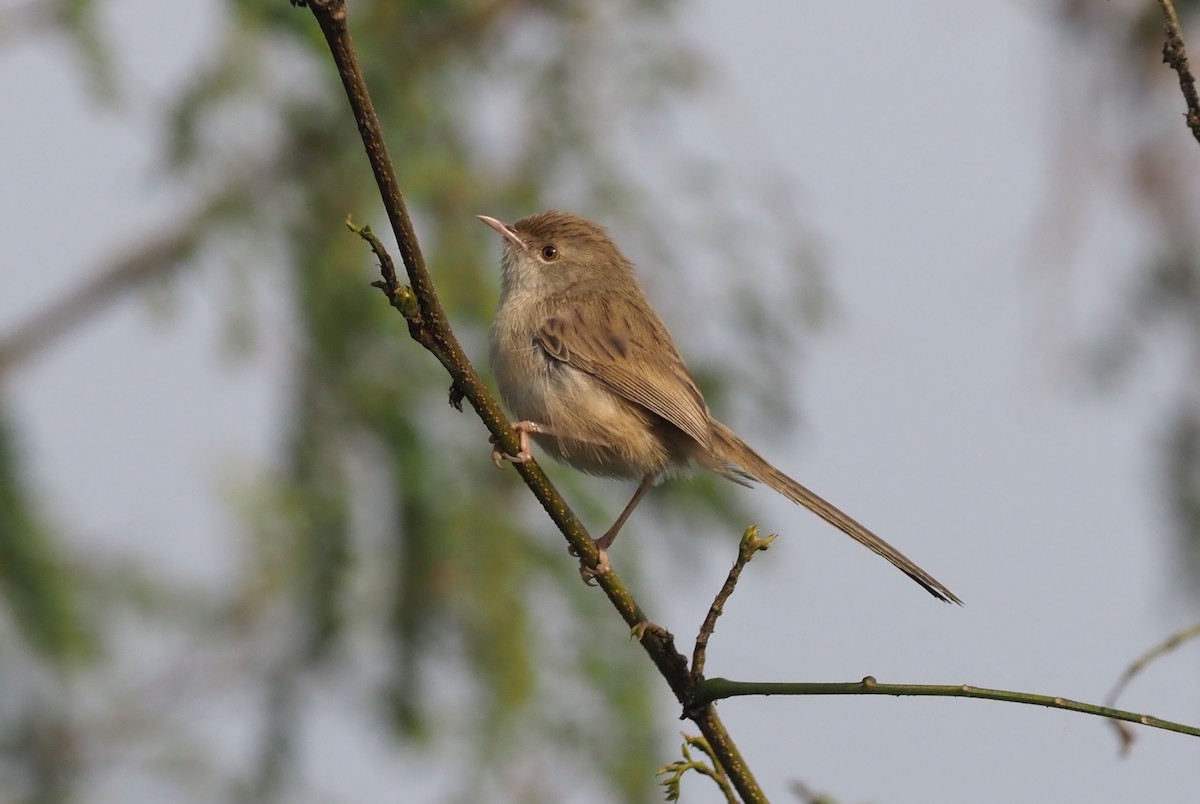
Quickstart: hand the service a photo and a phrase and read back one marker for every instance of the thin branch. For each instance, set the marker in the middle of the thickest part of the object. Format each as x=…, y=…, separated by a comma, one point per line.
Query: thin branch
x=714, y=689
x=1124, y=733
x=429, y=327
x=749, y=545
x=398, y=295
x=1175, y=55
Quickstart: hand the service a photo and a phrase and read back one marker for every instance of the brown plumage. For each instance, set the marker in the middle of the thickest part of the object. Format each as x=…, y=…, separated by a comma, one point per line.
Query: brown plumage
x=590, y=370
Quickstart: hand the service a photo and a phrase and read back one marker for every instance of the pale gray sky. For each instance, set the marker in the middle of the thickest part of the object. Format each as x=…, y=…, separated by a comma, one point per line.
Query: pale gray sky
x=918, y=136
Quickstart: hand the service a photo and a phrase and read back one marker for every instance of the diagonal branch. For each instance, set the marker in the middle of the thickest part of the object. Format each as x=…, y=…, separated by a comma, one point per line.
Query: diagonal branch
x=429, y=326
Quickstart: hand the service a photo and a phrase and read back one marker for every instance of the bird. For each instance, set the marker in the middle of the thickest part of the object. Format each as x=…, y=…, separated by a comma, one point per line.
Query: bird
x=593, y=377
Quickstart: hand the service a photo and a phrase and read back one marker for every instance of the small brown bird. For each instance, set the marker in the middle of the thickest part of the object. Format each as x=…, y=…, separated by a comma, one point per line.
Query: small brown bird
x=589, y=369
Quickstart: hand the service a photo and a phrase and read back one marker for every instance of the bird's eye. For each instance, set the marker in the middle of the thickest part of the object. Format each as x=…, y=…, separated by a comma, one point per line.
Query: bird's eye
x=549, y=253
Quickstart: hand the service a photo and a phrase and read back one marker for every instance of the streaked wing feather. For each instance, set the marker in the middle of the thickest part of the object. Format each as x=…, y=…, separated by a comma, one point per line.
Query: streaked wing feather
x=606, y=349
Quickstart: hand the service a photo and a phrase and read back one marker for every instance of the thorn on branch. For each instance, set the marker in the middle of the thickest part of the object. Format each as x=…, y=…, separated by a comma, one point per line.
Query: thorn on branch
x=456, y=396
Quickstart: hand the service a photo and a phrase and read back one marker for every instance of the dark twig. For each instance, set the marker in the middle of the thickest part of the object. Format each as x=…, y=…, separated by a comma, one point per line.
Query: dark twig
x=1124, y=733
x=749, y=545
x=399, y=296
x=1175, y=55
x=429, y=327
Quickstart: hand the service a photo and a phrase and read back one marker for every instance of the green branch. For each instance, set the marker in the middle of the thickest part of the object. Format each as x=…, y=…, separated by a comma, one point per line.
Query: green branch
x=715, y=689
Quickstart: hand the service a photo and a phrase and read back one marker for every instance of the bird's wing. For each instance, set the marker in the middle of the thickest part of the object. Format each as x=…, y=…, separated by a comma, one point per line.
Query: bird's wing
x=609, y=347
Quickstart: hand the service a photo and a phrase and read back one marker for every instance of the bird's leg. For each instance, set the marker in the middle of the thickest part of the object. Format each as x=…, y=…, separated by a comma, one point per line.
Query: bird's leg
x=610, y=536
x=605, y=541
x=522, y=429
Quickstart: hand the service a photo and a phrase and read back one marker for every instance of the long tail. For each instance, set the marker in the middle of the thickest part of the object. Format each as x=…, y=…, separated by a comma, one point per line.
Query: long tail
x=736, y=454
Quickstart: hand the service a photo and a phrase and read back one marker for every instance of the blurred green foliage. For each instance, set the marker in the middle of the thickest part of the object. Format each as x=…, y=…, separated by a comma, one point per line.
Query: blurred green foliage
x=497, y=106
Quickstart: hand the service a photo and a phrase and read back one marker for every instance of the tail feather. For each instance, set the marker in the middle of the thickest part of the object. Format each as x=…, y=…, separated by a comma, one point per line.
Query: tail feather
x=735, y=457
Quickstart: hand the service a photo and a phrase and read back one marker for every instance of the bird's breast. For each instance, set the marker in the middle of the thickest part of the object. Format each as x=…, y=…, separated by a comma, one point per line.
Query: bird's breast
x=590, y=427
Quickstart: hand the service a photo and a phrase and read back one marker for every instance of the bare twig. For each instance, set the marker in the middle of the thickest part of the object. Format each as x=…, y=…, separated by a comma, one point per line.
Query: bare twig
x=1175, y=54
x=400, y=296
x=429, y=327
x=749, y=545
x=1124, y=733
x=714, y=689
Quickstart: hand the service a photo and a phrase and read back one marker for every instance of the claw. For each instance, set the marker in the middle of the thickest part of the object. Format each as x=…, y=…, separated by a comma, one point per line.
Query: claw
x=499, y=457
x=522, y=429
x=589, y=574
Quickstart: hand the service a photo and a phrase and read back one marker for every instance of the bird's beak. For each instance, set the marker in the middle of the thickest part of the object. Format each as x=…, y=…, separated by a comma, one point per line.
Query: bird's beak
x=504, y=229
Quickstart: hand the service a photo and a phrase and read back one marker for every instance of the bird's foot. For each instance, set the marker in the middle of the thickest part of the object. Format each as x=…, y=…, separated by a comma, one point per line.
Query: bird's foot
x=522, y=429
x=588, y=573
